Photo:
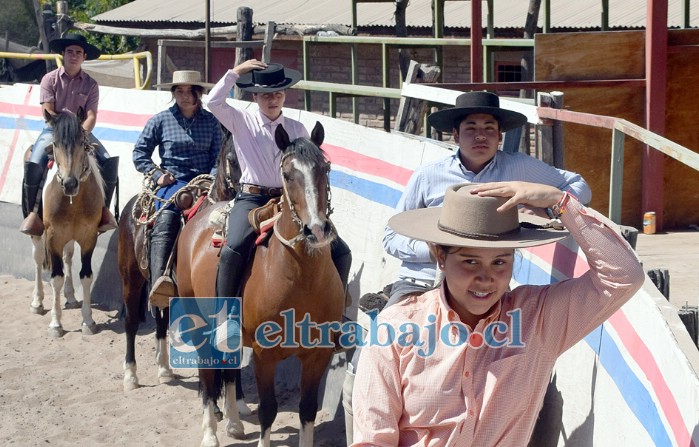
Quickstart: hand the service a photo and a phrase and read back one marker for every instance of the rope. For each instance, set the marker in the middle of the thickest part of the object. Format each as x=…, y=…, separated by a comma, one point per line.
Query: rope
x=148, y=196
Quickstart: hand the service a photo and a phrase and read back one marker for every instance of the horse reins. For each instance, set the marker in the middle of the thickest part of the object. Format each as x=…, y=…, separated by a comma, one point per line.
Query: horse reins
x=89, y=152
x=294, y=215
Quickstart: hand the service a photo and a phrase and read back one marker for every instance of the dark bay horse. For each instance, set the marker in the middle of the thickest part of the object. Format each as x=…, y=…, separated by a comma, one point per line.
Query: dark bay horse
x=294, y=271
x=133, y=269
x=72, y=210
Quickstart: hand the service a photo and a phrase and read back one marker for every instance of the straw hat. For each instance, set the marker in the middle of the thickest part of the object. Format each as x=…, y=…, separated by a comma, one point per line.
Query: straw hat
x=476, y=102
x=272, y=78
x=468, y=220
x=186, y=77
x=58, y=45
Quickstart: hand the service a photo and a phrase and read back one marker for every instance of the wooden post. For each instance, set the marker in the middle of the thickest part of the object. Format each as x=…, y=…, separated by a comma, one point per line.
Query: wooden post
x=63, y=23
x=558, y=140
x=545, y=131
x=653, y=165
x=412, y=110
x=207, y=40
x=243, y=33
x=267, y=48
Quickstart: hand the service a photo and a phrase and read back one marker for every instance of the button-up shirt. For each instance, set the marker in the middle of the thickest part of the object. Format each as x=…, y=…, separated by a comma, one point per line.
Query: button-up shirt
x=69, y=92
x=253, y=135
x=187, y=146
x=485, y=396
x=426, y=187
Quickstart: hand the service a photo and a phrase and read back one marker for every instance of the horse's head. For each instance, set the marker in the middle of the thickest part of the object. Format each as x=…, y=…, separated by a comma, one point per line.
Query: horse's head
x=69, y=149
x=305, y=173
x=227, y=170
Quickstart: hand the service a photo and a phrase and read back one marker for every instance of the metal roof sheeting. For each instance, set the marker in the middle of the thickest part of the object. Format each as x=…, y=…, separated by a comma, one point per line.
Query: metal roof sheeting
x=508, y=13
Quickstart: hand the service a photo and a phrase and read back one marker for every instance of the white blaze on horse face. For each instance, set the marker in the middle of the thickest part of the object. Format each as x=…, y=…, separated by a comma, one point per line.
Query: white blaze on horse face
x=316, y=217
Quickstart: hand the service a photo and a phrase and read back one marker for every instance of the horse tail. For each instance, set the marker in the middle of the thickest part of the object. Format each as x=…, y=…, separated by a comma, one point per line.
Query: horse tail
x=48, y=265
x=210, y=385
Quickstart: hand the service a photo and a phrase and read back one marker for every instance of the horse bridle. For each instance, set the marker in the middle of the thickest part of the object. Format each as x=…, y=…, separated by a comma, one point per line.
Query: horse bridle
x=294, y=215
x=86, y=162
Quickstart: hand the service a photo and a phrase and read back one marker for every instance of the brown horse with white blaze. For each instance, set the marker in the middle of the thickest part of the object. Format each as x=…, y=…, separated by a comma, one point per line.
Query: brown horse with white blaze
x=292, y=272
x=72, y=210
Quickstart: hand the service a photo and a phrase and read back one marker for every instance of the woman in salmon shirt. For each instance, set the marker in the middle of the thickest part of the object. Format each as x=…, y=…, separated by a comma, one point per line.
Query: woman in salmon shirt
x=468, y=363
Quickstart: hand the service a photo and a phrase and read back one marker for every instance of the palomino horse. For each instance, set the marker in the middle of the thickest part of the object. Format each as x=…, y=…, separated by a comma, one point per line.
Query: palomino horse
x=294, y=271
x=133, y=269
x=72, y=210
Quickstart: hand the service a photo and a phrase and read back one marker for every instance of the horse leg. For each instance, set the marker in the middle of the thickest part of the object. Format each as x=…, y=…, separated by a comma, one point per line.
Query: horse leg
x=231, y=381
x=243, y=408
x=132, y=302
x=162, y=356
x=267, y=411
x=89, y=327
x=37, y=305
x=57, y=279
x=311, y=374
x=68, y=289
x=210, y=390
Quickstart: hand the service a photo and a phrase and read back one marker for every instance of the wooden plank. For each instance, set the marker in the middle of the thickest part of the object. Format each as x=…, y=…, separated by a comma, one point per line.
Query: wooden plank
x=445, y=96
x=411, y=111
x=348, y=90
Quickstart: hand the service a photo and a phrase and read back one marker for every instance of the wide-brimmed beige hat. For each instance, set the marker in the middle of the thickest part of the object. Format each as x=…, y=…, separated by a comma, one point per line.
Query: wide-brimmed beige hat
x=186, y=77
x=469, y=220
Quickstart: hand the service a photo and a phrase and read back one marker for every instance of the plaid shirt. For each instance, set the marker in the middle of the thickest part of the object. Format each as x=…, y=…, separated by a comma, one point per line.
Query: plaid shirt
x=187, y=148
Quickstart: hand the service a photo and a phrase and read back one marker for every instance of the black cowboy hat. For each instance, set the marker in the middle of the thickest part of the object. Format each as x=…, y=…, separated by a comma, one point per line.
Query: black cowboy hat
x=270, y=79
x=58, y=45
x=476, y=102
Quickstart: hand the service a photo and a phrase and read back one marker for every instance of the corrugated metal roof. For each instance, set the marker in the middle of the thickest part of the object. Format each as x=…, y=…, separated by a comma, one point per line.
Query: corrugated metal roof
x=507, y=14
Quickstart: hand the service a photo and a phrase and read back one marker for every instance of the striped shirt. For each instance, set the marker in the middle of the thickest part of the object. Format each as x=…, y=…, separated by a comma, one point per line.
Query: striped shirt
x=485, y=396
x=187, y=147
x=427, y=185
x=68, y=92
x=253, y=135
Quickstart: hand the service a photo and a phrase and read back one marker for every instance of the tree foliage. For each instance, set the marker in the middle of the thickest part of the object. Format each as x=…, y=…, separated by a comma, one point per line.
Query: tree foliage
x=17, y=19
x=84, y=10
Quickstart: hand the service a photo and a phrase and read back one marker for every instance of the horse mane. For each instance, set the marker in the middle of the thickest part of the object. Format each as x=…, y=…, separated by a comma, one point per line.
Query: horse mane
x=67, y=130
x=220, y=190
x=68, y=134
x=306, y=151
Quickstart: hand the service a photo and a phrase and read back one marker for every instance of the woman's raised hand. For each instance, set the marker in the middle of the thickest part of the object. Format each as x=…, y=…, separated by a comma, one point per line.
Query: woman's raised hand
x=520, y=193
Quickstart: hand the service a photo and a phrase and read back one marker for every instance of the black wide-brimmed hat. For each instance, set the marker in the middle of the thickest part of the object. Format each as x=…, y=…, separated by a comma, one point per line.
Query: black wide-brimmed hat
x=476, y=102
x=58, y=45
x=470, y=220
x=272, y=78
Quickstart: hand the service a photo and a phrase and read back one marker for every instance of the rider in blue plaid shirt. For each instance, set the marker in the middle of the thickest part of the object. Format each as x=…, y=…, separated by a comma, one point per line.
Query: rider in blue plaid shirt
x=189, y=141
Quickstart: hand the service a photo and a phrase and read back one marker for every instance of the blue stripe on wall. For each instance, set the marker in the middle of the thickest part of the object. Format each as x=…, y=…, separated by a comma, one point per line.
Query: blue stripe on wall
x=376, y=192
x=634, y=392
x=103, y=134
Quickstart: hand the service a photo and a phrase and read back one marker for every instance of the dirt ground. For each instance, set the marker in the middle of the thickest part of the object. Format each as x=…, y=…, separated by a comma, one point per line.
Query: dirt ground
x=68, y=391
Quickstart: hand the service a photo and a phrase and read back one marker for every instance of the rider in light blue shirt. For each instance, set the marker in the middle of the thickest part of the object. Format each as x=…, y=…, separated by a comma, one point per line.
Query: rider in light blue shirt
x=426, y=187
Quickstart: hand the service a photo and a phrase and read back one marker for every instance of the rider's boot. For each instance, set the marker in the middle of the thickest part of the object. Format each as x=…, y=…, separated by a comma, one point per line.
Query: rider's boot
x=110, y=172
x=230, y=273
x=31, y=199
x=342, y=258
x=162, y=240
